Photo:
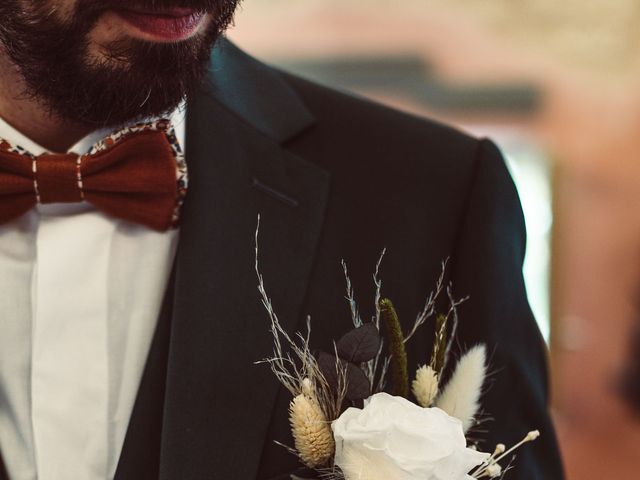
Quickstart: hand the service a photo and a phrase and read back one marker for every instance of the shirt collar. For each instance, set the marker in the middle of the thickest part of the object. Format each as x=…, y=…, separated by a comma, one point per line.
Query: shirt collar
x=13, y=136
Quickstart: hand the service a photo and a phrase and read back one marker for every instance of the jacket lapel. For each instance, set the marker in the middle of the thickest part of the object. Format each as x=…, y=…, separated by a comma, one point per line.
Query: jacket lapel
x=217, y=402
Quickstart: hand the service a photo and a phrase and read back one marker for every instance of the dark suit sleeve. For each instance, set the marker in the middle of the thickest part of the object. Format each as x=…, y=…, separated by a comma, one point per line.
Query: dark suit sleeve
x=487, y=266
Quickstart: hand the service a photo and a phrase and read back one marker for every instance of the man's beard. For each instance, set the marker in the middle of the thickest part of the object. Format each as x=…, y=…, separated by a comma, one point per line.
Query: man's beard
x=136, y=79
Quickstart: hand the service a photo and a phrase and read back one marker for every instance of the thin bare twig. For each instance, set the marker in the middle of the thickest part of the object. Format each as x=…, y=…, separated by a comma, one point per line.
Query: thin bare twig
x=429, y=308
x=299, y=364
x=355, y=314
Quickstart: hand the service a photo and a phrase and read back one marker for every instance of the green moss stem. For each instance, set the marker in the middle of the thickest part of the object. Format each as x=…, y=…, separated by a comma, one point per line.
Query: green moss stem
x=395, y=338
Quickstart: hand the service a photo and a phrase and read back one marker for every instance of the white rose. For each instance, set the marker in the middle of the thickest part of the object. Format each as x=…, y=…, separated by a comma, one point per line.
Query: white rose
x=394, y=439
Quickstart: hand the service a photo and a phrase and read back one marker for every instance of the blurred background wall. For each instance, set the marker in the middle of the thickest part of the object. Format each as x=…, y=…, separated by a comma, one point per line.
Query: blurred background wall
x=556, y=85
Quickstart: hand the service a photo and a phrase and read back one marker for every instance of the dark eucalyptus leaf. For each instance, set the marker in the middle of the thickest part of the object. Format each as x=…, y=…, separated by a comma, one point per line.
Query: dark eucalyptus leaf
x=358, y=385
x=327, y=365
x=360, y=344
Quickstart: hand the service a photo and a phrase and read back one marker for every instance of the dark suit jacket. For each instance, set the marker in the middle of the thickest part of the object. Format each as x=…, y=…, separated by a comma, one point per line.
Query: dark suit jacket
x=334, y=177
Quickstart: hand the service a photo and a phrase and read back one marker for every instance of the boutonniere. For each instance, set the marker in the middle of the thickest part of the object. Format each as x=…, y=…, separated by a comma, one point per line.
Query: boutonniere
x=360, y=413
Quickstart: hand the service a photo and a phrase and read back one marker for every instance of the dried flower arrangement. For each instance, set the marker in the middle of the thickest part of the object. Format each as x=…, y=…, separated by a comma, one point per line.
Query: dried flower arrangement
x=389, y=438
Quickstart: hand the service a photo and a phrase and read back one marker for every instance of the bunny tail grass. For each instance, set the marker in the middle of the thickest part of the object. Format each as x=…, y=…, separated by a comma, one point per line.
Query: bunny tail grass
x=461, y=397
x=311, y=431
x=425, y=386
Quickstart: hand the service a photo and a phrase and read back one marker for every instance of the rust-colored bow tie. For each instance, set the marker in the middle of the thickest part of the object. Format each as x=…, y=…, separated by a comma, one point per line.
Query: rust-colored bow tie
x=137, y=174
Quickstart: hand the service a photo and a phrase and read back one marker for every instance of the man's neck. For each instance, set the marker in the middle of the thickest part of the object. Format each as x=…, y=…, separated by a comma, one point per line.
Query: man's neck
x=31, y=118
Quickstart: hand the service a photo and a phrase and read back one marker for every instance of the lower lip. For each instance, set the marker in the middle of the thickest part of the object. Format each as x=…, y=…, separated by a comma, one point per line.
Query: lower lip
x=164, y=27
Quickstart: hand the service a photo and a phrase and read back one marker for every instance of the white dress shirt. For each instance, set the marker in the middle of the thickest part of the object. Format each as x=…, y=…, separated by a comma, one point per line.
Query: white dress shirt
x=80, y=293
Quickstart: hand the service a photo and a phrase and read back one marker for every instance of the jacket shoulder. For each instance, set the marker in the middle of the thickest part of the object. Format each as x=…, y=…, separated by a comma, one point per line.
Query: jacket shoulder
x=353, y=122
x=414, y=174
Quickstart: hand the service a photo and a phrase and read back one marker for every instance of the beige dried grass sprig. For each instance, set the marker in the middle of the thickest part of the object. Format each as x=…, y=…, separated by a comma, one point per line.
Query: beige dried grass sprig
x=425, y=386
x=461, y=397
x=491, y=467
x=311, y=431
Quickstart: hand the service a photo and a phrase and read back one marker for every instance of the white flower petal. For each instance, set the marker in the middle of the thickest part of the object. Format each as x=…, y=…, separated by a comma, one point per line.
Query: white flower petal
x=394, y=438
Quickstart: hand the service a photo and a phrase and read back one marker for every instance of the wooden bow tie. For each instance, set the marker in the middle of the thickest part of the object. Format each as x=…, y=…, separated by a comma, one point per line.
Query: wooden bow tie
x=133, y=179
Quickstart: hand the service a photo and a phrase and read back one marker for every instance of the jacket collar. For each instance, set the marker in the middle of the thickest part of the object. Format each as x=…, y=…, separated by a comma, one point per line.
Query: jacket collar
x=256, y=94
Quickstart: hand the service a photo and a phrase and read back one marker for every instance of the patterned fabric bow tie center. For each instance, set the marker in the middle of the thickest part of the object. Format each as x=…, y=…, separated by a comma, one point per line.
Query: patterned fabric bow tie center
x=58, y=178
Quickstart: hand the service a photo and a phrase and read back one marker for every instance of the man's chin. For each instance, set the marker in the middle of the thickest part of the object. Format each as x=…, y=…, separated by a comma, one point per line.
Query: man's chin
x=113, y=94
